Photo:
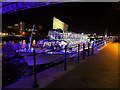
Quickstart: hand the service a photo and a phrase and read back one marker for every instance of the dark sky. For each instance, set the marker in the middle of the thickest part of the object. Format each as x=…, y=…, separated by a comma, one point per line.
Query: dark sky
x=81, y=17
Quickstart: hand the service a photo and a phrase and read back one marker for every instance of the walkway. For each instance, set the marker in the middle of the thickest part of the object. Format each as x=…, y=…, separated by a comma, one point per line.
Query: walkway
x=97, y=71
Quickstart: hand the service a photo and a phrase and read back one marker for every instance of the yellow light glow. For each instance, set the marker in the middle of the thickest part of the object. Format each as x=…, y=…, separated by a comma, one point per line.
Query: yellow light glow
x=34, y=33
x=12, y=42
x=23, y=41
x=3, y=34
x=6, y=33
x=34, y=42
x=23, y=33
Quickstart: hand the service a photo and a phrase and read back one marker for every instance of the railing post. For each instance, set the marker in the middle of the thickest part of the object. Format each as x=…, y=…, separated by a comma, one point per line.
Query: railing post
x=99, y=44
x=96, y=45
x=78, y=51
x=93, y=48
x=105, y=42
x=102, y=43
x=88, y=48
x=65, y=58
x=35, y=85
x=83, y=51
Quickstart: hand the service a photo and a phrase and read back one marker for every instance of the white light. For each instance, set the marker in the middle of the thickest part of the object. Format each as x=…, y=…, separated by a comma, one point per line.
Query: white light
x=16, y=24
x=82, y=33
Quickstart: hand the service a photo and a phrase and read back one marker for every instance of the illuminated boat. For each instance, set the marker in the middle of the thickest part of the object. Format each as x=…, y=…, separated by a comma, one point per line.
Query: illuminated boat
x=58, y=39
x=70, y=37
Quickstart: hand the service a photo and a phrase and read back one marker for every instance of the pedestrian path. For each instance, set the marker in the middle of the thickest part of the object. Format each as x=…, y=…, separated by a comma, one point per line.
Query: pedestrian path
x=97, y=71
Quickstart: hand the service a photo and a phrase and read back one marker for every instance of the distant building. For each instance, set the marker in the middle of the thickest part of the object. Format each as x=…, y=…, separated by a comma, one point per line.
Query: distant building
x=21, y=27
x=17, y=28
x=16, y=24
x=40, y=27
x=29, y=30
x=9, y=26
x=11, y=29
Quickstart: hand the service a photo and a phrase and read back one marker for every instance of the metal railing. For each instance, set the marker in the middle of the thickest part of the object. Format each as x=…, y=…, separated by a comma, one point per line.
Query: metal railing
x=81, y=49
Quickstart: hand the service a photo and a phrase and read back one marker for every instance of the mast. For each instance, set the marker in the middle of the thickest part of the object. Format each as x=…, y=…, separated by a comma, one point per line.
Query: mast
x=31, y=36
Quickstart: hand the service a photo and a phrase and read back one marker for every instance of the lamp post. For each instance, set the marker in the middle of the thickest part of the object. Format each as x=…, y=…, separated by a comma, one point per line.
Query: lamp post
x=35, y=85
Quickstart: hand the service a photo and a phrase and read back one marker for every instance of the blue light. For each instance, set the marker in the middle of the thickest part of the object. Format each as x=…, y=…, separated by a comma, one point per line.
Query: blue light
x=18, y=6
x=94, y=33
x=82, y=33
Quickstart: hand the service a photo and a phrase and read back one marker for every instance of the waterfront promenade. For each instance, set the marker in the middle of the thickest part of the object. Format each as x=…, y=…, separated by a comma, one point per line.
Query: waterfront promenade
x=96, y=71
x=99, y=71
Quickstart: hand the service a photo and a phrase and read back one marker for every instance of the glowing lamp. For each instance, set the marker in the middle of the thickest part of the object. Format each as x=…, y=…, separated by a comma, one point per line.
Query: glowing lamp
x=94, y=33
x=6, y=33
x=12, y=42
x=23, y=33
x=82, y=33
x=34, y=33
x=3, y=33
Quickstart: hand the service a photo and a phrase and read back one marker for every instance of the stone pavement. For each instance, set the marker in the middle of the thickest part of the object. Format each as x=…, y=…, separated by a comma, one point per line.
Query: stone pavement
x=97, y=71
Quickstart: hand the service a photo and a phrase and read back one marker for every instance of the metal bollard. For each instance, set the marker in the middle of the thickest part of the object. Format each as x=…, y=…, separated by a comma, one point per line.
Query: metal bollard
x=65, y=58
x=83, y=51
x=93, y=48
x=35, y=85
x=88, y=48
x=78, y=51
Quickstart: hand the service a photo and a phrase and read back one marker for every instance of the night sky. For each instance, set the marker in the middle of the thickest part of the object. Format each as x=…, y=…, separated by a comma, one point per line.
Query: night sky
x=81, y=17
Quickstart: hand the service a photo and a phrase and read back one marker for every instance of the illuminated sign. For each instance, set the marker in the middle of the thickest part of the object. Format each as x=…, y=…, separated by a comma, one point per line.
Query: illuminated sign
x=49, y=43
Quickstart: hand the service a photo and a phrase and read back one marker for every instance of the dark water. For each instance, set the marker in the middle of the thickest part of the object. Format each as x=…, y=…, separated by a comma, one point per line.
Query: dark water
x=14, y=69
x=17, y=69
x=9, y=47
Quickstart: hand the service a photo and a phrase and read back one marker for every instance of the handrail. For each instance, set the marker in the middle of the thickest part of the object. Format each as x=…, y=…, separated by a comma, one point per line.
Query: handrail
x=35, y=85
x=45, y=52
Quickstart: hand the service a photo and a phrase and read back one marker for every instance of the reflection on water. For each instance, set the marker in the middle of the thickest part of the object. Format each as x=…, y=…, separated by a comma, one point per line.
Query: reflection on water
x=34, y=43
x=9, y=47
x=12, y=42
